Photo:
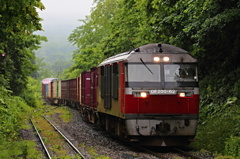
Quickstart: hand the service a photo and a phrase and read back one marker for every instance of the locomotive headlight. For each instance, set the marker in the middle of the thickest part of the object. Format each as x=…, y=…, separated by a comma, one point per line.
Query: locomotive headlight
x=185, y=94
x=166, y=59
x=156, y=59
x=143, y=94
x=182, y=94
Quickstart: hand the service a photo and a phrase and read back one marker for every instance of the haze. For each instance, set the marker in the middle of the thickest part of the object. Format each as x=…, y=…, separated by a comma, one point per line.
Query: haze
x=62, y=16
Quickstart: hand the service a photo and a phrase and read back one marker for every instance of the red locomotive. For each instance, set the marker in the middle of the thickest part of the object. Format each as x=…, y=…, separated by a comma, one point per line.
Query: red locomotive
x=149, y=95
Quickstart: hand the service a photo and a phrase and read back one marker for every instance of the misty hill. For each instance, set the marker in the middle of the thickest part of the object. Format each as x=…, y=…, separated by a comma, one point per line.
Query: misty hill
x=57, y=51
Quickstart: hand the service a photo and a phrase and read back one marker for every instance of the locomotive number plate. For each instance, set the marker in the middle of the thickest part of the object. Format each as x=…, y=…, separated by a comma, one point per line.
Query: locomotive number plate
x=163, y=91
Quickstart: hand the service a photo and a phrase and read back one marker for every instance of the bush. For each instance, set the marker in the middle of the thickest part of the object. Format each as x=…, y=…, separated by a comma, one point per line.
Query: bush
x=218, y=123
x=32, y=94
x=232, y=147
x=13, y=109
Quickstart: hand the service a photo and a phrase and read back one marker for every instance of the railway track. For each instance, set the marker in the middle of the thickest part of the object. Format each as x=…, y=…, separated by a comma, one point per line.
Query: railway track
x=170, y=153
x=160, y=152
x=54, y=142
x=134, y=149
x=186, y=153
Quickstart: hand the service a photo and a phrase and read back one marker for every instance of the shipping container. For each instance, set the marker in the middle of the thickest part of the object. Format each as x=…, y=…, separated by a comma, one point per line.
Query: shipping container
x=94, y=85
x=72, y=90
x=85, y=88
x=79, y=89
x=64, y=90
x=59, y=89
x=55, y=89
x=44, y=90
x=47, y=91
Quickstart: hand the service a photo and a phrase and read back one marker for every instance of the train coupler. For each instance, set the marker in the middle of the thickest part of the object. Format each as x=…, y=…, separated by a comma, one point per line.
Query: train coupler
x=162, y=127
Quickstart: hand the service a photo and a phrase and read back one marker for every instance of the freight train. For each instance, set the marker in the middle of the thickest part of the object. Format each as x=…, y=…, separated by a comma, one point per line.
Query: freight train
x=149, y=95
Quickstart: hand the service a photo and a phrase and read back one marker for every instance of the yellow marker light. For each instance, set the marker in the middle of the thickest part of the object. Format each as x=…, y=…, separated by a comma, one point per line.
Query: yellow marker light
x=166, y=59
x=182, y=94
x=156, y=59
x=143, y=94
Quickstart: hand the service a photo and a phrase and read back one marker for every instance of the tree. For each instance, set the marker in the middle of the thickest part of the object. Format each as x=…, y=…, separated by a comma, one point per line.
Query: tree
x=18, y=21
x=208, y=29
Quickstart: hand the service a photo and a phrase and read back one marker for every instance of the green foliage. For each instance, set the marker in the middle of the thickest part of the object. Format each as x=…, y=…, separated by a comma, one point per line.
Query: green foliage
x=13, y=109
x=19, y=149
x=232, y=147
x=214, y=132
x=218, y=122
x=94, y=154
x=197, y=26
x=224, y=157
x=10, y=106
x=18, y=21
x=32, y=94
x=208, y=29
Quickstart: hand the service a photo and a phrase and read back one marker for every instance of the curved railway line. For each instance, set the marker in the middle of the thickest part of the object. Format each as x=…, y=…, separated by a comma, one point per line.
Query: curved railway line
x=105, y=144
x=64, y=146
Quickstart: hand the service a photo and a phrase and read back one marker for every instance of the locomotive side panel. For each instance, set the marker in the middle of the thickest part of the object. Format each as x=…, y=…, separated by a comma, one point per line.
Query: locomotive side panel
x=122, y=97
x=109, y=90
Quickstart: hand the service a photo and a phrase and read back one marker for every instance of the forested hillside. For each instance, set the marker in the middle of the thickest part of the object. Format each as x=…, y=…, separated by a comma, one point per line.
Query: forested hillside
x=54, y=56
x=208, y=29
x=19, y=92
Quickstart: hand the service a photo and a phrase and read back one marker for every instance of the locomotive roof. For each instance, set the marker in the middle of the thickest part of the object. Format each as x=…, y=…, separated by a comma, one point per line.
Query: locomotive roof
x=150, y=48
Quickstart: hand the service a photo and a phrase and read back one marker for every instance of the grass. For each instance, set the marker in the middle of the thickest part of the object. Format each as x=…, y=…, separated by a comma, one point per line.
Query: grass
x=94, y=154
x=51, y=138
x=63, y=112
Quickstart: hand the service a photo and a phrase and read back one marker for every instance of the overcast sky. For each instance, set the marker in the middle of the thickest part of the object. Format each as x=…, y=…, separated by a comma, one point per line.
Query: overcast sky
x=62, y=16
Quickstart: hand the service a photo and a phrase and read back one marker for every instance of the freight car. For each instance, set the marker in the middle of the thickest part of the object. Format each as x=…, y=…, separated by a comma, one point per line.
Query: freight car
x=50, y=90
x=149, y=95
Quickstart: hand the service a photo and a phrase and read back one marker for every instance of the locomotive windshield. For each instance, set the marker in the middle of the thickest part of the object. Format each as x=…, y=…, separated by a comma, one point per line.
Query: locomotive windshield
x=180, y=72
x=161, y=75
x=143, y=73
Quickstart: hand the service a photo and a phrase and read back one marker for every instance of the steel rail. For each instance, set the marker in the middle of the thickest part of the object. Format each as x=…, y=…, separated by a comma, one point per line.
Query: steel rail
x=39, y=136
x=187, y=154
x=156, y=154
x=138, y=147
x=69, y=142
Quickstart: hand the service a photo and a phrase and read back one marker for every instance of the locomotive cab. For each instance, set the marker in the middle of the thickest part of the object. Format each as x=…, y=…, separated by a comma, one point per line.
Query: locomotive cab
x=161, y=94
x=154, y=90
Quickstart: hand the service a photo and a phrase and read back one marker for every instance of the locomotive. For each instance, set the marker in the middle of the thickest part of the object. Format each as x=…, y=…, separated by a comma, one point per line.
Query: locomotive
x=149, y=95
